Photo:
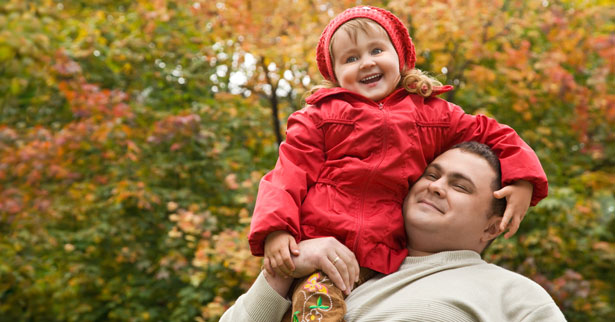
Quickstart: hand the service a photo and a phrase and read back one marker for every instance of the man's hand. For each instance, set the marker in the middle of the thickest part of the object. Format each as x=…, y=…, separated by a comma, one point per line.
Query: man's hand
x=278, y=247
x=322, y=254
x=518, y=197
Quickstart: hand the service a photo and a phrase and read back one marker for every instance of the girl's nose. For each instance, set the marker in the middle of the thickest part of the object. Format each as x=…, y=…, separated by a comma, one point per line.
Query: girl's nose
x=367, y=62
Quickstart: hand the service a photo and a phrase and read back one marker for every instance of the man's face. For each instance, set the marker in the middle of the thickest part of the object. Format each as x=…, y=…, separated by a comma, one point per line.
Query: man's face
x=448, y=207
x=369, y=65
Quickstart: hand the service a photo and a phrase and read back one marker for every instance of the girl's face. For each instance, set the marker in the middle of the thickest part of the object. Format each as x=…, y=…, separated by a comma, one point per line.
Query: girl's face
x=366, y=64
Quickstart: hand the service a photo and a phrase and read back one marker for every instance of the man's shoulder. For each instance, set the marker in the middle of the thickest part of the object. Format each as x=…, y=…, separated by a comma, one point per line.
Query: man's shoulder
x=513, y=282
x=519, y=296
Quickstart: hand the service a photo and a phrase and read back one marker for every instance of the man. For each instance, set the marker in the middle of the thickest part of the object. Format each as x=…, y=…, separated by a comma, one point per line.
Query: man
x=451, y=216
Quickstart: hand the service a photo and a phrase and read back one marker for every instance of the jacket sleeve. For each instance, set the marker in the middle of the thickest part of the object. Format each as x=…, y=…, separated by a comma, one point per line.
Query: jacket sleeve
x=283, y=189
x=518, y=160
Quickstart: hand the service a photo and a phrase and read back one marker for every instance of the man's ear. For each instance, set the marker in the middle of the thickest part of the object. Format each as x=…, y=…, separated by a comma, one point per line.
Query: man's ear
x=492, y=229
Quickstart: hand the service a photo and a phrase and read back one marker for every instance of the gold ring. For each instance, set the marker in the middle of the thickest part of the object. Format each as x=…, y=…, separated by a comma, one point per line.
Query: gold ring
x=335, y=260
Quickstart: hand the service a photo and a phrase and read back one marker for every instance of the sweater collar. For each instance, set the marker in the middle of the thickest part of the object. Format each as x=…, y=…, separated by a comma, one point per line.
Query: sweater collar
x=445, y=257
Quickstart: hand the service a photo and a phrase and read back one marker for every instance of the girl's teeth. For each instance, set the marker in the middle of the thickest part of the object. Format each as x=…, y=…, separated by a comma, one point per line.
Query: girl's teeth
x=370, y=78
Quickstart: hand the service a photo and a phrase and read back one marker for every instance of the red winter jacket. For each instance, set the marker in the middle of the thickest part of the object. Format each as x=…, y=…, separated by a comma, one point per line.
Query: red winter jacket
x=347, y=164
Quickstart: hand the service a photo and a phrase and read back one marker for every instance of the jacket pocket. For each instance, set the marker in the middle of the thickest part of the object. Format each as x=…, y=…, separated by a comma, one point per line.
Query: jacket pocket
x=432, y=137
x=336, y=131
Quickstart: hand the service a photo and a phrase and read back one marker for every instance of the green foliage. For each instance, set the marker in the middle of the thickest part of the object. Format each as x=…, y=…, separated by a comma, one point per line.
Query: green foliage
x=121, y=171
x=129, y=160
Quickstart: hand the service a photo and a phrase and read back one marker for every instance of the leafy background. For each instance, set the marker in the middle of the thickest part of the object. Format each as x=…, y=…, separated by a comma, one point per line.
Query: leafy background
x=133, y=135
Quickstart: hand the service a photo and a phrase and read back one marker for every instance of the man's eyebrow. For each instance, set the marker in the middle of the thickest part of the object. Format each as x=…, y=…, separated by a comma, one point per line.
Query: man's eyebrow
x=434, y=165
x=454, y=175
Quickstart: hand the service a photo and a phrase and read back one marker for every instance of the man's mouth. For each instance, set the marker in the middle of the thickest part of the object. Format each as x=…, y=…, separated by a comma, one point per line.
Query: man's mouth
x=432, y=205
x=371, y=79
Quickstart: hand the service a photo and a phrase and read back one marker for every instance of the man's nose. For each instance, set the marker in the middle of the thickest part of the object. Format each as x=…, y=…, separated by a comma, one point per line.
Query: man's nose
x=437, y=188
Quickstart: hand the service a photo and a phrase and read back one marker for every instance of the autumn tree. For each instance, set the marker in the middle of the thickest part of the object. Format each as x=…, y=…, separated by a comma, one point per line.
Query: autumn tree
x=133, y=135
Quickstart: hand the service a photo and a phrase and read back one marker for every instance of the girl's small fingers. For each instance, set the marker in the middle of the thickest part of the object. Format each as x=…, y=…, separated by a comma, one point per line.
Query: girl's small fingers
x=294, y=249
x=278, y=267
x=514, y=226
x=499, y=194
x=508, y=215
x=268, y=268
x=273, y=263
x=281, y=265
x=288, y=261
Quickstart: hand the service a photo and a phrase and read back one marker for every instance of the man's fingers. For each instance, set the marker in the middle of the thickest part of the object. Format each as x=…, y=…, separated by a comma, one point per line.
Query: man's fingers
x=357, y=269
x=351, y=266
x=351, y=263
x=353, y=274
x=330, y=270
x=342, y=268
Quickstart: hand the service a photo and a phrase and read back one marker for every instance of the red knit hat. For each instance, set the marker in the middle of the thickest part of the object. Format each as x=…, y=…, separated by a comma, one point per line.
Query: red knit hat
x=392, y=25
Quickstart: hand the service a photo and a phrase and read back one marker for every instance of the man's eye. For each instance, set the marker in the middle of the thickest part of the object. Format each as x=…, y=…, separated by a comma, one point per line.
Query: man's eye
x=351, y=59
x=431, y=176
x=461, y=187
x=376, y=51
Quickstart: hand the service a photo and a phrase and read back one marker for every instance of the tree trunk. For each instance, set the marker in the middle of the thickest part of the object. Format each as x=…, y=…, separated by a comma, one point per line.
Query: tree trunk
x=273, y=100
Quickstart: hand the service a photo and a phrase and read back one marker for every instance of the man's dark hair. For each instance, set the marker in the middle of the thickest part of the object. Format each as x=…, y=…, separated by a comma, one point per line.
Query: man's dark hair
x=485, y=152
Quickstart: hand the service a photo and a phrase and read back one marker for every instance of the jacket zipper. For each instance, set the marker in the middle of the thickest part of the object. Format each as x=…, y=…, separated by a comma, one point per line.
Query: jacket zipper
x=371, y=176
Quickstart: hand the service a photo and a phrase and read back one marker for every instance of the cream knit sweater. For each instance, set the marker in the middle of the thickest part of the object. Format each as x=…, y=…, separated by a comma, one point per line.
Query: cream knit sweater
x=448, y=286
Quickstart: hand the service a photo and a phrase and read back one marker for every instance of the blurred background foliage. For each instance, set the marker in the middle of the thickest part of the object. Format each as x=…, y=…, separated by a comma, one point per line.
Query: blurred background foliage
x=133, y=135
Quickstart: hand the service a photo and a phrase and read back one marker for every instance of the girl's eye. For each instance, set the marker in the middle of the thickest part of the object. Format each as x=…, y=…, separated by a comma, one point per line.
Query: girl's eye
x=376, y=51
x=351, y=59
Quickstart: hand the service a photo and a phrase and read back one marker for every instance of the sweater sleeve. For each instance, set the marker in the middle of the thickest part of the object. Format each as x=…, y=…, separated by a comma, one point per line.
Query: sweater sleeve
x=518, y=160
x=260, y=303
x=547, y=313
x=283, y=189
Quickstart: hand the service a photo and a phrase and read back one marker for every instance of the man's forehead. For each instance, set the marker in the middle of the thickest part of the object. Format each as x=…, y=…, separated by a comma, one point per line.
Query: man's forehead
x=464, y=164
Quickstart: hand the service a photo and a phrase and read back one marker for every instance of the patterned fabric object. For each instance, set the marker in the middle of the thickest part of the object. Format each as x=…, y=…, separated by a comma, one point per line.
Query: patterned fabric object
x=316, y=299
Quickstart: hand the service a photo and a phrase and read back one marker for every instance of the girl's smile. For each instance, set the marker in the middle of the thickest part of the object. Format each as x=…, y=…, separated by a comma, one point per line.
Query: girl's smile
x=366, y=62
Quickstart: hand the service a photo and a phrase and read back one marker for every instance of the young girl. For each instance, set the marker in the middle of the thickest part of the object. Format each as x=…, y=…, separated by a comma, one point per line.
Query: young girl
x=352, y=153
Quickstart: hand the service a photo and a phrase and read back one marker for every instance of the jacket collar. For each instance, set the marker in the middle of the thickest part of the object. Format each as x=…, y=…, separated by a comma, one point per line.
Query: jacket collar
x=325, y=93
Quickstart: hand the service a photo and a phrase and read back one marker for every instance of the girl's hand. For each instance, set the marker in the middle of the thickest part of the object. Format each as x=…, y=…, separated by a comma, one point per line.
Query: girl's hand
x=278, y=247
x=518, y=197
